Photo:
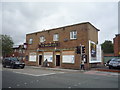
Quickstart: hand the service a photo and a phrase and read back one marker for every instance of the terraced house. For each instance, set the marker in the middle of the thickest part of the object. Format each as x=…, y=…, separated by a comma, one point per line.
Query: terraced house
x=58, y=46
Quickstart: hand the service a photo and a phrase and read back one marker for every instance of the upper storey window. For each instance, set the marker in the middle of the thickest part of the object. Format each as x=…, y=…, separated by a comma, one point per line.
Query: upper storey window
x=42, y=39
x=73, y=34
x=30, y=41
x=55, y=37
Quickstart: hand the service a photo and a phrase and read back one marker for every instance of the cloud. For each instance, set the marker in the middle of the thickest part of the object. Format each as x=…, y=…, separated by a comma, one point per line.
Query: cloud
x=21, y=18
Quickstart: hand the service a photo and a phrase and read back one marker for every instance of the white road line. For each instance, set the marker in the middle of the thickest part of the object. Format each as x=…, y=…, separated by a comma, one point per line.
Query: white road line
x=75, y=85
x=25, y=83
x=69, y=87
x=31, y=81
x=18, y=85
x=61, y=72
x=25, y=73
x=34, y=74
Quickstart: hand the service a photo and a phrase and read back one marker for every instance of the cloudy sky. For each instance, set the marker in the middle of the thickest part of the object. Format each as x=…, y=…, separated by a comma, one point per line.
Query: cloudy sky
x=20, y=18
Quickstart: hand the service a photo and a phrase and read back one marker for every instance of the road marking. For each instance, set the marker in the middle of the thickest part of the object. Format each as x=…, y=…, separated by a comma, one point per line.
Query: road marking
x=26, y=73
x=69, y=87
x=31, y=81
x=75, y=85
x=25, y=83
x=61, y=72
x=18, y=85
x=48, y=74
x=9, y=87
x=34, y=74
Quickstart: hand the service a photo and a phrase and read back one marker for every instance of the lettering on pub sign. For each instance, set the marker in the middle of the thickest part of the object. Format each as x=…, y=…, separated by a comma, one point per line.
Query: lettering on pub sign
x=54, y=44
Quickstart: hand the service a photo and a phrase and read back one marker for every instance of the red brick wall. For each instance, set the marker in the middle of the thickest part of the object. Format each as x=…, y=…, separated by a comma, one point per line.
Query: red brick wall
x=116, y=45
x=112, y=54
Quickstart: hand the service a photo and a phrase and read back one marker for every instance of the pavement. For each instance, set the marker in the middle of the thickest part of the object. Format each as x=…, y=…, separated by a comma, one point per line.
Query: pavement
x=54, y=69
x=104, y=69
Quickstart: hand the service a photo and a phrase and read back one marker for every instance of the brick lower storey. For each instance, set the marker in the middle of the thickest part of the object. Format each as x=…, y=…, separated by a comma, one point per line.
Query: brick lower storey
x=64, y=59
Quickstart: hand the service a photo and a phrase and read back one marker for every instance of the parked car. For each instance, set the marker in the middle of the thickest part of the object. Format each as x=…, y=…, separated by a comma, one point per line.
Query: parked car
x=13, y=62
x=107, y=63
x=114, y=63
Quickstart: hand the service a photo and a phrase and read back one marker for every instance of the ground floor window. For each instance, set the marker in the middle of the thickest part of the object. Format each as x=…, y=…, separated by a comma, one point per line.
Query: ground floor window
x=68, y=57
x=32, y=57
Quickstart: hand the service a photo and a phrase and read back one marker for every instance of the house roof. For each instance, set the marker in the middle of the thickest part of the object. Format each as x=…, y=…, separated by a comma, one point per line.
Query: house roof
x=64, y=27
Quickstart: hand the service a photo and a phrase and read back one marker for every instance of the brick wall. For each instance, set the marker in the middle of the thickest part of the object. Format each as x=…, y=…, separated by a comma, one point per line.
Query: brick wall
x=116, y=45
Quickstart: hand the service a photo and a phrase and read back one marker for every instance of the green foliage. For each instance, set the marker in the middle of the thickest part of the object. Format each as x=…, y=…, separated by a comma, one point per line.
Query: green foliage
x=7, y=44
x=107, y=47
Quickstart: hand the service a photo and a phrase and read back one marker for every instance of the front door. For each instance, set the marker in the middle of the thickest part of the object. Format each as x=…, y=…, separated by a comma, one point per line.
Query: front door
x=57, y=60
x=40, y=59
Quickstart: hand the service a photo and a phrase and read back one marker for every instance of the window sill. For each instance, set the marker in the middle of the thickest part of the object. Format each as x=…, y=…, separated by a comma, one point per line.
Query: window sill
x=73, y=39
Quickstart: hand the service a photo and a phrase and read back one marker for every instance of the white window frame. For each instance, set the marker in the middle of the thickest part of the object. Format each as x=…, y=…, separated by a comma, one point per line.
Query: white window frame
x=15, y=50
x=33, y=56
x=23, y=51
x=72, y=34
x=56, y=37
x=30, y=41
x=20, y=51
x=42, y=39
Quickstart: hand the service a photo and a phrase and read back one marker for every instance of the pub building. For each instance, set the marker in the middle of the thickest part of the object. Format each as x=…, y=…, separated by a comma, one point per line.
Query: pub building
x=63, y=47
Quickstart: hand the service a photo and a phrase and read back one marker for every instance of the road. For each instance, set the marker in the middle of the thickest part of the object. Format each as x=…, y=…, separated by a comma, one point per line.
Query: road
x=40, y=78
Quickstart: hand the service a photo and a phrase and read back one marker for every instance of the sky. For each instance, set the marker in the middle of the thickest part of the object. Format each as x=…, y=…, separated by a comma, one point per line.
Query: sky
x=21, y=18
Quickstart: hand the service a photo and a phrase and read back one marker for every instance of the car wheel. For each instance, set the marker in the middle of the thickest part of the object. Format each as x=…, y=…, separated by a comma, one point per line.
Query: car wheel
x=13, y=66
x=110, y=67
x=4, y=66
x=22, y=67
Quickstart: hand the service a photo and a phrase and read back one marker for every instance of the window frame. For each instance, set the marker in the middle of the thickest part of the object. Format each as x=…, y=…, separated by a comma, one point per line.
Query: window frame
x=72, y=34
x=30, y=40
x=40, y=39
x=56, y=37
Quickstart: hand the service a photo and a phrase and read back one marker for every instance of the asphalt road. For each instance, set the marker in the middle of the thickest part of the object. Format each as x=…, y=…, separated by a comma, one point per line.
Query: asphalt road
x=37, y=78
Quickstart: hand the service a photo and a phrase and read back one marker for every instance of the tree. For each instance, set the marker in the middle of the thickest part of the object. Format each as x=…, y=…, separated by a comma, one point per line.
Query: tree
x=7, y=44
x=107, y=47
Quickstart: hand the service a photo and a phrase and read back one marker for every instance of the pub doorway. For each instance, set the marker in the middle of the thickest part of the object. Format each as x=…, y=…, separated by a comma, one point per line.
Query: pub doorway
x=40, y=59
x=57, y=60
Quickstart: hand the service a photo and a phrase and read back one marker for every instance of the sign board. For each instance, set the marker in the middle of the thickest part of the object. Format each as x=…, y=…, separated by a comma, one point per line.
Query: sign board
x=56, y=44
x=99, y=53
x=94, y=52
x=68, y=59
x=68, y=52
x=32, y=57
